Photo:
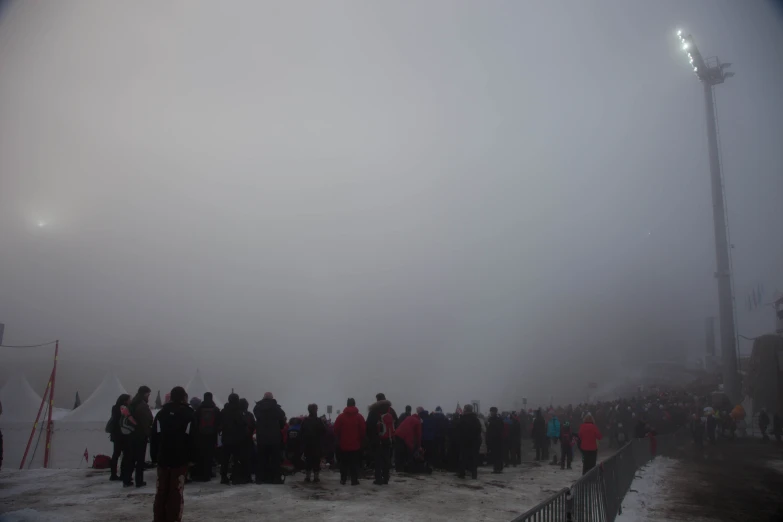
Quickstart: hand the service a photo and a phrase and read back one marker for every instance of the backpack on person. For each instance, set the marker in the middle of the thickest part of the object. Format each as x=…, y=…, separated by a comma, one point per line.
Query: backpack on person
x=127, y=426
x=207, y=422
x=386, y=427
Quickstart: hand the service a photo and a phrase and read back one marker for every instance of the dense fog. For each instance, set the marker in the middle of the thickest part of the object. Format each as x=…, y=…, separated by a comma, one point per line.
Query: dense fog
x=442, y=201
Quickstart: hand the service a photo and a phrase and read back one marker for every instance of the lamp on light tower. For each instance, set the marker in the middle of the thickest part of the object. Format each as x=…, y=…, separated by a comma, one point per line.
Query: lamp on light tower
x=712, y=72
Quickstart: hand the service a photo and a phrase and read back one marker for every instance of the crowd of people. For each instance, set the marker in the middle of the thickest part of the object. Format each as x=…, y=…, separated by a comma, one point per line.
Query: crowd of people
x=188, y=437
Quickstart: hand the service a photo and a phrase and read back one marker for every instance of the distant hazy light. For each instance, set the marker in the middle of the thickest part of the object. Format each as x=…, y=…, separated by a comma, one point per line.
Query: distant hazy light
x=685, y=46
x=679, y=33
x=695, y=69
x=41, y=224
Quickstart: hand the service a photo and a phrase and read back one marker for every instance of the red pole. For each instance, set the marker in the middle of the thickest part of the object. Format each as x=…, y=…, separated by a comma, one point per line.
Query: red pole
x=51, y=407
x=35, y=425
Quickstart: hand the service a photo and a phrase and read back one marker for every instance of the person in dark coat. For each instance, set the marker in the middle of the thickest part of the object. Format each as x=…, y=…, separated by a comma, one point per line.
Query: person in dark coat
x=454, y=443
x=427, y=436
x=350, y=429
x=233, y=428
x=248, y=449
x=566, y=450
x=270, y=419
x=538, y=433
x=515, y=440
x=118, y=439
x=207, y=427
x=469, y=440
x=380, y=434
x=313, y=433
x=640, y=431
x=140, y=410
x=441, y=423
x=171, y=438
x=404, y=416
x=495, y=440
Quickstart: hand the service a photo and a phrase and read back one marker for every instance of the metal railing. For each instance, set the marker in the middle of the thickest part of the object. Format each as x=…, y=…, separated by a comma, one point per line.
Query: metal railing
x=597, y=496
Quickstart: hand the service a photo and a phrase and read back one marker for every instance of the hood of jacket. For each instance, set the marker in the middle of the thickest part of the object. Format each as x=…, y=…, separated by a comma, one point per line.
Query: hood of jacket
x=379, y=405
x=266, y=404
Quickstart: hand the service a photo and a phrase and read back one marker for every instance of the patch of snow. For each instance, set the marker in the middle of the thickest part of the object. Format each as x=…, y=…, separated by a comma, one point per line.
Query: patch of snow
x=87, y=495
x=28, y=515
x=647, y=495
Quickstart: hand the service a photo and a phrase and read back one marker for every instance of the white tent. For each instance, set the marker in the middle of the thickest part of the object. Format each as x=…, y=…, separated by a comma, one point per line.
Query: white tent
x=20, y=402
x=97, y=407
x=197, y=388
x=20, y=406
x=84, y=429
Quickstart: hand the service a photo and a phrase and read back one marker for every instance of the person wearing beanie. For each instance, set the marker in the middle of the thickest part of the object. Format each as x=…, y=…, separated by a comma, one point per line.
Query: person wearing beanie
x=140, y=410
x=270, y=420
x=170, y=445
x=349, y=429
x=207, y=426
x=313, y=433
x=233, y=427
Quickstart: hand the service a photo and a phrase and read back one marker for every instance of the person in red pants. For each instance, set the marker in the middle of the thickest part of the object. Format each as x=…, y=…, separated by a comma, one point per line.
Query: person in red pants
x=171, y=445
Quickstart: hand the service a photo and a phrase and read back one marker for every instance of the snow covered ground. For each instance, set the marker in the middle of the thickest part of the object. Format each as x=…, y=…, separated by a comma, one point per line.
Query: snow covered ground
x=49, y=495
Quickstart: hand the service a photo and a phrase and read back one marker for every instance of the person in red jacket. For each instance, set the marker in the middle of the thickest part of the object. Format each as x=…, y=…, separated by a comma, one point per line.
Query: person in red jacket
x=589, y=435
x=349, y=429
x=407, y=439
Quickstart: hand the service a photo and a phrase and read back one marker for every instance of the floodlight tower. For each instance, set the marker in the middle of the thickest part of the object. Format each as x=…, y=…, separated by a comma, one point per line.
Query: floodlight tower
x=712, y=72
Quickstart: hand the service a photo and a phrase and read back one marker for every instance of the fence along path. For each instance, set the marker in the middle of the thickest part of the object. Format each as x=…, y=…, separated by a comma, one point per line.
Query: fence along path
x=598, y=495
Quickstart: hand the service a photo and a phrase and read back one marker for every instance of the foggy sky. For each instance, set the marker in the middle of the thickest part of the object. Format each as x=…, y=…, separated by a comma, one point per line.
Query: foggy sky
x=441, y=200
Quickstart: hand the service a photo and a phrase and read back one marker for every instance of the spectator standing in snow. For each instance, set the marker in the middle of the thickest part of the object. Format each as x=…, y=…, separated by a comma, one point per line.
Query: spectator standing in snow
x=469, y=439
x=495, y=440
x=171, y=438
x=441, y=425
x=247, y=449
x=566, y=450
x=349, y=429
x=233, y=428
x=407, y=440
x=140, y=410
x=207, y=426
x=538, y=433
x=589, y=435
x=313, y=433
x=515, y=440
x=270, y=419
x=427, y=435
x=119, y=441
x=380, y=434
x=553, y=433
